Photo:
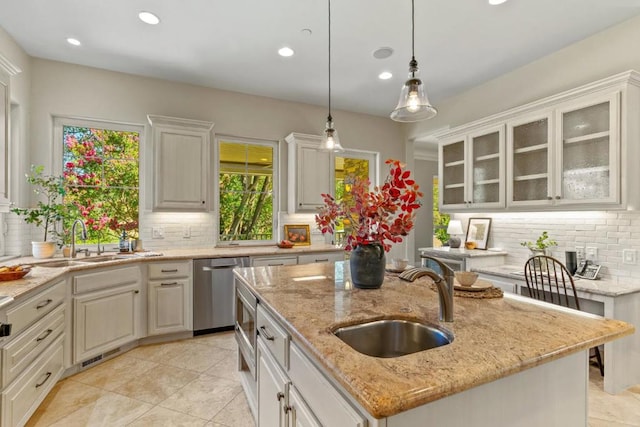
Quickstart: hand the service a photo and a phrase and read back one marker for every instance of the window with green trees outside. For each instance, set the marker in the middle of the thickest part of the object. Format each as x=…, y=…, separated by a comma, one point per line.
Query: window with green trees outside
x=100, y=169
x=246, y=171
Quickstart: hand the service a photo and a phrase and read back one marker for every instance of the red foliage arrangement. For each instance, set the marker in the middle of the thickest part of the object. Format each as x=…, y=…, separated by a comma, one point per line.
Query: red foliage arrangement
x=382, y=215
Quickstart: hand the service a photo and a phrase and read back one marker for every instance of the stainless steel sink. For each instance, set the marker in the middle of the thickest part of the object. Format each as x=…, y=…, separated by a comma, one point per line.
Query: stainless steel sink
x=393, y=338
x=57, y=264
x=100, y=258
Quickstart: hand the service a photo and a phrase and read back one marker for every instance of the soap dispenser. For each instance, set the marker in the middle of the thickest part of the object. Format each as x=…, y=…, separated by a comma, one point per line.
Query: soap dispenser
x=124, y=241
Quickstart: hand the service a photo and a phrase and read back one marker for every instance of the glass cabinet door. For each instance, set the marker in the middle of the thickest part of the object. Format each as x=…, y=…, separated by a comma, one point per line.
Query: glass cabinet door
x=528, y=165
x=587, y=154
x=486, y=166
x=452, y=173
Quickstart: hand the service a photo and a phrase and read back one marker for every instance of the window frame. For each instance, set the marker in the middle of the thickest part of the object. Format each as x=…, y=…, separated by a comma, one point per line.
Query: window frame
x=57, y=157
x=275, y=145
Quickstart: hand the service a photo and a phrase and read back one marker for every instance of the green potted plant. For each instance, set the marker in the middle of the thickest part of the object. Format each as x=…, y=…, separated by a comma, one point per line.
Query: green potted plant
x=47, y=212
x=541, y=245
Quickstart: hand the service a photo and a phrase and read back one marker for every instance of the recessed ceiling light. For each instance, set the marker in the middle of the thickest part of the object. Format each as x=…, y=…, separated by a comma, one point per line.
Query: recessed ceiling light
x=383, y=52
x=149, y=18
x=385, y=75
x=73, y=41
x=496, y=2
x=285, y=51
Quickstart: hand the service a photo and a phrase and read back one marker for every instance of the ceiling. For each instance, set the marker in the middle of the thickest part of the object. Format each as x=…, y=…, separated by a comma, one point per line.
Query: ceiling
x=232, y=44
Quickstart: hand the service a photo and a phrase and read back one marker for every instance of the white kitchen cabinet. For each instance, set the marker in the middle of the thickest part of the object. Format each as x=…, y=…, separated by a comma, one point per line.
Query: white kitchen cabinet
x=310, y=173
x=573, y=150
x=32, y=356
x=321, y=257
x=273, y=386
x=169, y=304
x=7, y=69
x=106, y=311
x=472, y=169
x=300, y=415
x=181, y=149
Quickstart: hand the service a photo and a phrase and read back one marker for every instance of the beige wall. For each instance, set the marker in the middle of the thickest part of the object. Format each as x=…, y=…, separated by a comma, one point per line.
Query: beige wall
x=606, y=53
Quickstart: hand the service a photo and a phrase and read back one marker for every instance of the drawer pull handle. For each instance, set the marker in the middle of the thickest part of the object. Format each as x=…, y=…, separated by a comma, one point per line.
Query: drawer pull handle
x=44, y=335
x=266, y=334
x=323, y=260
x=169, y=284
x=275, y=265
x=280, y=396
x=44, y=304
x=175, y=270
x=40, y=384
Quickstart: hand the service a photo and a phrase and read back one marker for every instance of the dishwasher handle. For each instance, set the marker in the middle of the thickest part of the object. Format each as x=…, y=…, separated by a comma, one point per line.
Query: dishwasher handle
x=220, y=267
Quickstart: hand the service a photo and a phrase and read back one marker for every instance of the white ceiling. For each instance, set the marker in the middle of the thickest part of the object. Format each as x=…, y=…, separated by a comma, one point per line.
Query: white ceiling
x=232, y=44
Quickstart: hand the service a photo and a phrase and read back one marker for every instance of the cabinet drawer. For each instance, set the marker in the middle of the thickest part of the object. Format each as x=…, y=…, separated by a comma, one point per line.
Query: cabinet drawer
x=105, y=279
x=21, y=399
x=321, y=257
x=273, y=336
x=320, y=394
x=35, y=307
x=169, y=269
x=273, y=261
x=21, y=351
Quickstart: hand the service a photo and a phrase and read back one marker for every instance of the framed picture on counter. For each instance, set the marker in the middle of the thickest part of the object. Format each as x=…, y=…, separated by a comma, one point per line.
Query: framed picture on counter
x=297, y=234
x=478, y=232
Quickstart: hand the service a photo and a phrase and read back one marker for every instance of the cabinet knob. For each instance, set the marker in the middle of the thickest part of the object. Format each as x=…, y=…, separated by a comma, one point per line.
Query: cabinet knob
x=549, y=198
x=136, y=291
x=203, y=202
x=558, y=197
x=280, y=396
x=287, y=409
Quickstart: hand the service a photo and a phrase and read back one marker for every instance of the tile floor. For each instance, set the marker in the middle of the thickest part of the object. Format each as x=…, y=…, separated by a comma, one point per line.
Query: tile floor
x=194, y=383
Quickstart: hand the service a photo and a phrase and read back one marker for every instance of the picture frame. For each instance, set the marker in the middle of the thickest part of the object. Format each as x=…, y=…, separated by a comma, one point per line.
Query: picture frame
x=478, y=232
x=298, y=234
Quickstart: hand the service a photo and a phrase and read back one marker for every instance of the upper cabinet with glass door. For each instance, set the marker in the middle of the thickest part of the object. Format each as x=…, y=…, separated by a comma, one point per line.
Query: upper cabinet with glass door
x=587, y=151
x=472, y=170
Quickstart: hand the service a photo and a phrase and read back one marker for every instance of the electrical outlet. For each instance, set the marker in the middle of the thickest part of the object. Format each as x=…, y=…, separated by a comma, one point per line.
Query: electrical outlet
x=157, y=233
x=629, y=256
x=186, y=232
x=591, y=252
x=580, y=253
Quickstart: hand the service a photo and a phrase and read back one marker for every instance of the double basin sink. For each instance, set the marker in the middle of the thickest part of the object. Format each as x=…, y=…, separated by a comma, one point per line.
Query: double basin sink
x=393, y=338
x=80, y=261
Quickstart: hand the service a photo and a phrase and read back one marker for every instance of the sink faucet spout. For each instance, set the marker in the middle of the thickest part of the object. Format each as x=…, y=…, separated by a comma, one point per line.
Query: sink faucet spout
x=444, y=284
x=73, y=236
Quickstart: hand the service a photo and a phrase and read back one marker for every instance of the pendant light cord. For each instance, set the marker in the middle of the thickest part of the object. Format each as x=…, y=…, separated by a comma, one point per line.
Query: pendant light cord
x=413, y=36
x=329, y=117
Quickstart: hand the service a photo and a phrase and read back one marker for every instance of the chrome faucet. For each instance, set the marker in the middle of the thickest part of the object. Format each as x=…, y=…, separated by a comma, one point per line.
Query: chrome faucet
x=73, y=236
x=445, y=288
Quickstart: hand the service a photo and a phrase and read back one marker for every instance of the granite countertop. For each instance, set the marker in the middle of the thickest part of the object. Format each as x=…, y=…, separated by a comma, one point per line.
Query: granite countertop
x=493, y=337
x=459, y=253
x=42, y=275
x=605, y=287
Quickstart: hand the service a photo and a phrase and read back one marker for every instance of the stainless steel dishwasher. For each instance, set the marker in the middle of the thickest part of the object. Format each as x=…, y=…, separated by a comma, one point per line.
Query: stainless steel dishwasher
x=213, y=293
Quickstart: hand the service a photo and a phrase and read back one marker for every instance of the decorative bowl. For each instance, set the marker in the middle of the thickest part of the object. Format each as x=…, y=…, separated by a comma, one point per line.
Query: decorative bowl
x=13, y=275
x=285, y=245
x=466, y=278
x=470, y=244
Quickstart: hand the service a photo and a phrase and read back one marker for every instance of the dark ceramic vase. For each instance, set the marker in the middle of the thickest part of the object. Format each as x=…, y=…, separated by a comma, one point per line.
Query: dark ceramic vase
x=367, y=263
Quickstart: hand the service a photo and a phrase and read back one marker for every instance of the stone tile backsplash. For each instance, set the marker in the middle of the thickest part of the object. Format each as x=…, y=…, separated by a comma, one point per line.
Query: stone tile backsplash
x=608, y=231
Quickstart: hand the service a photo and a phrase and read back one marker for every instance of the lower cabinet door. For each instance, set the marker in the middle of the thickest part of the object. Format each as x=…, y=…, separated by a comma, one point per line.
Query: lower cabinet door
x=104, y=320
x=272, y=390
x=168, y=306
x=28, y=390
x=299, y=413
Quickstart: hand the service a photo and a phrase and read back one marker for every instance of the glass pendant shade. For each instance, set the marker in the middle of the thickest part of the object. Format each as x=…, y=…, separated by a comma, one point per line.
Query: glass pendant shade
x=330, y=140
x=413, y=105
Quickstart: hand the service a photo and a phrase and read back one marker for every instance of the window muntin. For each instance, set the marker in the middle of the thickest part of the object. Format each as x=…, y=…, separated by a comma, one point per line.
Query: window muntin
x=247, y=171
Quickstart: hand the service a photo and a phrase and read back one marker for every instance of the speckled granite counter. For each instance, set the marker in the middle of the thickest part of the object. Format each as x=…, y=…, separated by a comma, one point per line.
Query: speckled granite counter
x=43, y=275
x=597, y=287
x=493, y=337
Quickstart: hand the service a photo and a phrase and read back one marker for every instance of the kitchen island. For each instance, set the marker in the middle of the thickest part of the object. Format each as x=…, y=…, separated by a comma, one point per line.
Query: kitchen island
x=513, y=361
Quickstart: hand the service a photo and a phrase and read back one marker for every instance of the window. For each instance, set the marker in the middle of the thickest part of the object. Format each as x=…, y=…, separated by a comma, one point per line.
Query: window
x=100, y=165
x=246, y=198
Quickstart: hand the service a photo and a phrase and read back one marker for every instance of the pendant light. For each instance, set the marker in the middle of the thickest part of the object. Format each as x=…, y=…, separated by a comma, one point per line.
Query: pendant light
x=330, y=140
x=413, y=105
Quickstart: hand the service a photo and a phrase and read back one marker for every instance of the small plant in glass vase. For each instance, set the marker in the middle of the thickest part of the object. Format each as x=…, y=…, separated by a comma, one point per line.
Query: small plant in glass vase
x=373, y=219
x=540, y=246
x=48, y=212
